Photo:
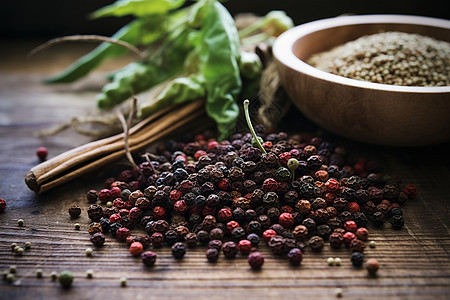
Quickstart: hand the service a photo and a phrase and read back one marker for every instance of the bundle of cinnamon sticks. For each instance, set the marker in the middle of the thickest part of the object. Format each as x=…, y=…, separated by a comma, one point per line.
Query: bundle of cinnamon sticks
x=95, y=155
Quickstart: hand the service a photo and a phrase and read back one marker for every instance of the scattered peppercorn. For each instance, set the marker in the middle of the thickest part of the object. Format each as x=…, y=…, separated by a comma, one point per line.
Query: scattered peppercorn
x=357, y=259
x=372, y=266
x=2, y=205
x=372, y=244
x=123, y=281
x=330, y=261
x=54, y=275
x=136, y=248
x=316, y=243
x=65, y=279
x=338, y=292
x=42, y=153
x=337, y=261
x=19, y=251
x=149, y=258
x=397, y=221
x=90, y=273
x=10, y=277
x=20, y=222
x=295, y=256
x=39, y=273
x=229, y=249
x=12, y=269
x=212, y=255
x=88, y=251
x=74, y=211
x=178, y=250
x=27, y=245
x=255, y=260
x=77, y=226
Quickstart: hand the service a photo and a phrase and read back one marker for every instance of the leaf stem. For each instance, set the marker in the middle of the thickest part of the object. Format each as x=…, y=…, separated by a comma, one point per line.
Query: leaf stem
x=250, y=126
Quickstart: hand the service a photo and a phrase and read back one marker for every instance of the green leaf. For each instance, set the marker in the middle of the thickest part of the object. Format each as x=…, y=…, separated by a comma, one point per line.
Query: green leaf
x=129, y=33
x=138, y=8
x=219, y=56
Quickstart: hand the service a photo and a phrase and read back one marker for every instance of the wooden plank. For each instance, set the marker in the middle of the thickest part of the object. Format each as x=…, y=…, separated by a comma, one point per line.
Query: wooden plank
x=415, y=261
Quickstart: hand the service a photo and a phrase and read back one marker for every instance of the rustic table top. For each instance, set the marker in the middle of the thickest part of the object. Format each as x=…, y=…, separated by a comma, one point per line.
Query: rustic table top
x=415, y=261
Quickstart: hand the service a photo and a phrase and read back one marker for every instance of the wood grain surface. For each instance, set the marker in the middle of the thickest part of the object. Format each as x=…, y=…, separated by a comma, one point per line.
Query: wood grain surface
x=415, y=261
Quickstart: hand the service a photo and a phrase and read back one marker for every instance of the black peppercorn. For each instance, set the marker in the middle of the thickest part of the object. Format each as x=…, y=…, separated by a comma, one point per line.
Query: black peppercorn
x=238, y=234
x=74, y=211
x=178, y=250
x=157, y=239
x=276, y=244
x=357, y=259
x=323, y=231
x=98, y=239
x=203, y=236
x=254, y=227
x=336, y=239
x=316, y=243
x=95, y=212
x=378, y=218
x=397, y=221
x=360, y=219
x=104, y=223
x=170, y=237
x=113, y=227
x=230, y=249
x=254, y=239
x=212, y=255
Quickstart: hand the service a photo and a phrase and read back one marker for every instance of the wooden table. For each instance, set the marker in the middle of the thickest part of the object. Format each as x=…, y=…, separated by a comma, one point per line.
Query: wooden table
x=415, y=261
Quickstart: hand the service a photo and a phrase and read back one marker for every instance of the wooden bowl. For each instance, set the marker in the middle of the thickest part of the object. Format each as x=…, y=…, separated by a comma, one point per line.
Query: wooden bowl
x=361, y=110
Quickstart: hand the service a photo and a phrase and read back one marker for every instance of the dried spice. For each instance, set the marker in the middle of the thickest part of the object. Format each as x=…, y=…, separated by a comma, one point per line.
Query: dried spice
x=255, y=260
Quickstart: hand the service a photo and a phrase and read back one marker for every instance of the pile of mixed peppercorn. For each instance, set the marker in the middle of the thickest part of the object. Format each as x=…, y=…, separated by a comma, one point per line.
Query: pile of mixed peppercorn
x=229, y=194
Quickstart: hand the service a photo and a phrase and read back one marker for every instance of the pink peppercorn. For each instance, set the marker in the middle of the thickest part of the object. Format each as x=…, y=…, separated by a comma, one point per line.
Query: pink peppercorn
x=159, y=212
x=122, y=233
x=372, y=266
x=231, y=225
x=284, y=157
x=212, y=145
x=348, y=237
x=410, y=190
x=351, y=226
x=2, y=205
x=115, y=218
x=353, y=207
x=270, y=185
x=295, y=256
x=42, y=153
x=149, y=258
x=199, y=153
x=114, y=193
x=180, y=207
x=245, y=246
x=362, y=234
x=104, y=196
x=223, y=184
x=175, y=195
x=267, y=146
x=135, y=213
x=268, y=234
x=286, y=220
x=136, y=249
x=255, y=260
x=119, y=203
x=332, y=185
x=224, y=215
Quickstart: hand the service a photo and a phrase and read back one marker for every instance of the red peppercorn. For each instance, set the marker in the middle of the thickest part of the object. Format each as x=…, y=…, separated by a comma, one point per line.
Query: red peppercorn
x=284, y=157
x=351, y=226
x=329, y=198
x=267, y=145
x=122, y=233
x=42, y=153
x=136, y=249
x=130, y=240
x=231, y=225
x=372, y=266
x=115, y=218
x=321, y=175
x=212, y=145
x=223, y=184
x=286, y=220
x=159, y=213
x=224, y=215
x=245, y=246
x=332, y=185
x=180, y=207
x=270, y=185
x=119, y=203
x=348, y=237
x=135, y=213
x=353, y=207
x=199, y=153
x=268, y=234
x=186, y=186
x=362, y=234
x=114, y=193
x=175, y=195
x=255, y=260
x=410, y=190
x=2, y=205
x=104, y=196
x=157, y=239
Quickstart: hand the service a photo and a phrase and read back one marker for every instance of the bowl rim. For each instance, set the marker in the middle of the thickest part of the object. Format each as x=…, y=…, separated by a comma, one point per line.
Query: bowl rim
x=283, y=45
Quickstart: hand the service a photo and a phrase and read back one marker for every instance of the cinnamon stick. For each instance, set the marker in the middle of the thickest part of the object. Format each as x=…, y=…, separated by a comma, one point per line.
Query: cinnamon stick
x=86, y=158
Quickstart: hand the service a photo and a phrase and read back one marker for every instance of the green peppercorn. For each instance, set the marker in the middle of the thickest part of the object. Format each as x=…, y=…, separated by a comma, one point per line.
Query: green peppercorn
x=10, y=277
x=39, y=273
x=12, y=269
x=77, y=226
x=337, y=261
x=54, y=275
x=109, y=204
x=13, y=246
x=20, y=222
x=19, y=251
x=90, y=273
x=123, y=281
x=65, y=279
x=27, y=245
x=372, y=244
x=338, y=292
